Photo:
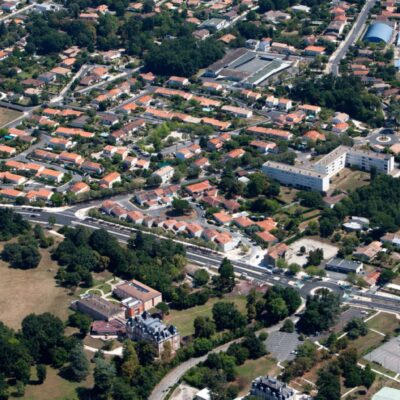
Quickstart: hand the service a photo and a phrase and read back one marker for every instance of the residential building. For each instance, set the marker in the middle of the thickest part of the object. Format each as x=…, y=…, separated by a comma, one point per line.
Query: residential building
x=238, y=112
x=199, y=188
x=79, y=188
x=274, y=253
x=51, y=175
x=165, y=173
x=153, y=330
x=109, y=180
x=71, y=158
x=137, y=290
x=296, y=176
x=368, y=252
x=98, y=308
x=268, y=388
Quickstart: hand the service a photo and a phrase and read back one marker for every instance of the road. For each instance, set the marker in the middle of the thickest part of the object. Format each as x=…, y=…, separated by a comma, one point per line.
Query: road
x=355, y=32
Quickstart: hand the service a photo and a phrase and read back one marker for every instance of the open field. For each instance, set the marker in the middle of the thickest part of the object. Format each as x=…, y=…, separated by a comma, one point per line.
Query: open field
x=364, y=344
x=183, y=319
x=385, y=323
x=252, y=369
x=349, y=180
x=287, y=195
x=7, y=115
x=31, y=291
x=294, y=255
x=56, y=388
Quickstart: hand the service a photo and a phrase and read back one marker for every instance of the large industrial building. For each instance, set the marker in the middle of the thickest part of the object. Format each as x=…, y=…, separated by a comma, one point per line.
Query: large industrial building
x=378, y=32
x=317, y=176
x=249, y=68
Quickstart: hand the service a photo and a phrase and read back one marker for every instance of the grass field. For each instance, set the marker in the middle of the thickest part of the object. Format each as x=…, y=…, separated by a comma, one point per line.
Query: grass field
x=365, y=344
x=252, y=369
x=183, y=319
x=31, y=291
x=7, y=115
x=56, y=388
x=350, y=180
x=385, y=323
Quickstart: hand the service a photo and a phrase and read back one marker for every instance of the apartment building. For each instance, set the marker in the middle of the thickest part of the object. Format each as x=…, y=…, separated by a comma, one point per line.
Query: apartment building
x=295, y=176
x=366, y=160
x=333, y=162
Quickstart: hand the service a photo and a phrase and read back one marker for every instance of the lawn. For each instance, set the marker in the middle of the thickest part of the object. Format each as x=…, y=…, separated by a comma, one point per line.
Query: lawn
x=7, y=115
x=385, y=323
x=56, y=388
x=183, y=319
x=365, y=344
x=287, y=195
x=31, y=291
x=252, y=369
x=349, y=180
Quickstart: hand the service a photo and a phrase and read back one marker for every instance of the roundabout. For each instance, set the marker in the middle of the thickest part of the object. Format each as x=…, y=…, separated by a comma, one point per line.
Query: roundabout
x=384, y=138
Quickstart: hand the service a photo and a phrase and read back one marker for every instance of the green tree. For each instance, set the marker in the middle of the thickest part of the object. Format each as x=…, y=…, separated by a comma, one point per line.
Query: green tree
x=130, y=363
x=226, y=279
x=41, y=373
x=181, y=206
x=288, y=326
x=104, y=374
x=226, y=316
x=367, y=376
x=201, y=277
x=204, y=327
x=78, y=368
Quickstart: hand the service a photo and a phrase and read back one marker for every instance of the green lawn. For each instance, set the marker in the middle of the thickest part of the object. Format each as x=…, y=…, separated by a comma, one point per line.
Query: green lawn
x=252, y=369
x=385, y=323
x=56, y=388
x=365, y=344
x=183, y=319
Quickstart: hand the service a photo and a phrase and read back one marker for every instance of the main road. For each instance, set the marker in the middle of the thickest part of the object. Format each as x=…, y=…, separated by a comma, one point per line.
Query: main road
x=354, y=33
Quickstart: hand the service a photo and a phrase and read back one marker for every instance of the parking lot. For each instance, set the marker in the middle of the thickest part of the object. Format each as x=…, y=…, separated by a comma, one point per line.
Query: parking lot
x=294, y=255
x=387, y=355
x=282, y=344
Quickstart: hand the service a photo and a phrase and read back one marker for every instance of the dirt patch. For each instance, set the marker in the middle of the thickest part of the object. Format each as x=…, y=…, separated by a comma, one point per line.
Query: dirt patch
x=7, y=115
x=31, y=291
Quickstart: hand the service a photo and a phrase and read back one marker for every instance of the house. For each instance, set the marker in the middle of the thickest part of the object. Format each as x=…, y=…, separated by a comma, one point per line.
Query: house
x=243, y=222
x=91, y=167
x=51, y=175
x=8, y=177
x=71, y=158
x=215, y=144
x=264, y=147
x=268, y=388
x=220, y=125
x=310, y=109
x=79, y=188
x=266, y=237
x=391, y=238
x=153, y=330
x=110, y=179
x=178, y=81
x=60, y=143
x=224, y=241
x=194, y=230
x=278, y=134
x=213, y=87
x=37, y=195
x=340, y=117
x=274, y=253
x=314, y=51
x=199, y=188
x=7, y=151
x=314, y=136
x=285, y=104
x=98, y=308
x=222, y=218
x=368, y=252
x=165, y=173
x=136, y=217
x=238, y=112
x=341, y=127
x=11, y=194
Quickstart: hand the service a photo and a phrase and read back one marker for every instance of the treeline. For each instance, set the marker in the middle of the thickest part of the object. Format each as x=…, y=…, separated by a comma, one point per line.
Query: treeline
x=345, y=93
x=40, y=342
x=157, y=263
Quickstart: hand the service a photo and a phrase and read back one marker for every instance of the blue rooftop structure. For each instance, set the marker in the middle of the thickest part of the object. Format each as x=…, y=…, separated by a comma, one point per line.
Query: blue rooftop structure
x=378, y=32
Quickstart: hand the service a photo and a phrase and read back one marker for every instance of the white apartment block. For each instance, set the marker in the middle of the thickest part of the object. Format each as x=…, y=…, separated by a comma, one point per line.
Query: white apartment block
x=344, y=156
x=295, y=176
x=318, y=176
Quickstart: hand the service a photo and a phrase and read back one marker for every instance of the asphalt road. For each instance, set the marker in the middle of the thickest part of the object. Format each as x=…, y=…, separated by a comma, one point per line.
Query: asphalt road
x=352, y=36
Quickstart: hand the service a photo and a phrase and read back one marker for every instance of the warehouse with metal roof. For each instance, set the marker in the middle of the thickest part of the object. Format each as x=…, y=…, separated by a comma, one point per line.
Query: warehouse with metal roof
x=378, y=32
